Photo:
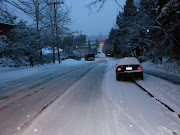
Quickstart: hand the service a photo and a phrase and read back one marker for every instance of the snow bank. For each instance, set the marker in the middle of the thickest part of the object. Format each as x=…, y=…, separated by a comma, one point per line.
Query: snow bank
x=9, y=74
x=48, y=50
x=168, y=70
x=102, y=55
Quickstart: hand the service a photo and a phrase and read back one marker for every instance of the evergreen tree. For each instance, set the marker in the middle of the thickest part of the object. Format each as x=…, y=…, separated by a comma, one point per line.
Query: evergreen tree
x=126, y=31
x=146, y=21
x=130, y=9
x=169, y=20
x=161, y=4
x=109, y=43
x=111, y=36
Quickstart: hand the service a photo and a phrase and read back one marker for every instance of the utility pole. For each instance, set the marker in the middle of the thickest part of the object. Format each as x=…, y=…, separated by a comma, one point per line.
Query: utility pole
x=38, y=32
x=56, y=41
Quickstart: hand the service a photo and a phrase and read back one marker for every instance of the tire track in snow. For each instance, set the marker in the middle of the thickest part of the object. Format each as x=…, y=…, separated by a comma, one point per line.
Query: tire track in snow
x=26, y=123
x=4, y=103
x=122, y=111
x=17, y=83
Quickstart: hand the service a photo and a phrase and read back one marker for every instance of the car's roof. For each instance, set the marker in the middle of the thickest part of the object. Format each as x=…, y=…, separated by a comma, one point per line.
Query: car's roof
x=89, y=53
x=129, y=61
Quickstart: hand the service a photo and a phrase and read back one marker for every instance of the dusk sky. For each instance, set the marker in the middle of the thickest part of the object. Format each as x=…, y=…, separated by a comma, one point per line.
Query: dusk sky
x=89, y=24
x=95, y=23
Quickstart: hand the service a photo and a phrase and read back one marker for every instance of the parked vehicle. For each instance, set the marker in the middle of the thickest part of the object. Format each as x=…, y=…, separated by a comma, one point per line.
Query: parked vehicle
x=74, y=57
x=90, y=57
x=109, y=55
x=77, y=57
x=129, y=67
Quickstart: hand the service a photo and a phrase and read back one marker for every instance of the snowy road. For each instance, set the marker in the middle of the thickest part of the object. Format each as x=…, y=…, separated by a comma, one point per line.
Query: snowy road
x=23, y=98
x=86, y=99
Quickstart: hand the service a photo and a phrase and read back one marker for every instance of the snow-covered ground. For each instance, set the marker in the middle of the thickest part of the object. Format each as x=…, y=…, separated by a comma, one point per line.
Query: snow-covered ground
x=47, y=50
x=167, y=92
x=122, y=107
x=9, y=74
x=163, y=90
x=167, y=70
x=116, y=108
x=144, y=115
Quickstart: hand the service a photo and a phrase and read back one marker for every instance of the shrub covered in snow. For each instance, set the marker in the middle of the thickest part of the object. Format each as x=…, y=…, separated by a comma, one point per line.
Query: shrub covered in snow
x=12, y=54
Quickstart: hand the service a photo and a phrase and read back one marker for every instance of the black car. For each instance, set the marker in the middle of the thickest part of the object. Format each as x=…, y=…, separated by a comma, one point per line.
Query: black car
x=89, y=57
x=129, y=67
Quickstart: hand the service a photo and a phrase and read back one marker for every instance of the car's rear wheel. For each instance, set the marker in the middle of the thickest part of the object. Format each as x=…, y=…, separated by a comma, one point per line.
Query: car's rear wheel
x=141, y=76
x=118, y=78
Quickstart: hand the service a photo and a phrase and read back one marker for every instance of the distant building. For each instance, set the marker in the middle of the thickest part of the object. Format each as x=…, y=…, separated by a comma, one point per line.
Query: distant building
x=82, y=50
x=101, y=45
x=93, y=49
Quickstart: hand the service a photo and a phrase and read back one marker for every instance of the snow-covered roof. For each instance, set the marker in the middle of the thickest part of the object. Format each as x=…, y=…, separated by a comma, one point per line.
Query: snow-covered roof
x=129, y=61
x=48, y=50
x=7, y=23
x=93, y=47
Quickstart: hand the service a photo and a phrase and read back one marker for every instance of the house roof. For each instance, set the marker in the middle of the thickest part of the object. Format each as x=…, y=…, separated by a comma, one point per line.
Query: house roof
x=7, y=23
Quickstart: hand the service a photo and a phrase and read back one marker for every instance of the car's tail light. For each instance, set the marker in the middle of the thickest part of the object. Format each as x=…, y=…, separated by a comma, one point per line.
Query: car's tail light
x=139, y=67
x=119, y=69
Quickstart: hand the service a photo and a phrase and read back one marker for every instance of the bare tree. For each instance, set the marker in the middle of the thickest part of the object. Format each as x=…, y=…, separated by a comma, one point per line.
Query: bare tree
x=98, y=4
x=55, y=21
x=35, y=9
x=52, y=9
x=5, y=15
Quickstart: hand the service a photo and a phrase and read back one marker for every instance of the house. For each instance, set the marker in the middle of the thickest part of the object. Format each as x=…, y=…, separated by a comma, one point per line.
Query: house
x=5, y=29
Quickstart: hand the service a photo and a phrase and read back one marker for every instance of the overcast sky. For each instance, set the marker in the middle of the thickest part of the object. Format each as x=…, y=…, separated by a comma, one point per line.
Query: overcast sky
x=89, y=24
x=95, y=23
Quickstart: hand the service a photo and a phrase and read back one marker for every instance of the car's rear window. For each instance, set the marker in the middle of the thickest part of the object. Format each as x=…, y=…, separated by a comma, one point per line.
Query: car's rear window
x=129, y=61
x=90, y=55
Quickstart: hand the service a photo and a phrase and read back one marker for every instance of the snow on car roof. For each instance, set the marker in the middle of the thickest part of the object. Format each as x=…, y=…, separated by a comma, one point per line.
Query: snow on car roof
x=129, y=61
